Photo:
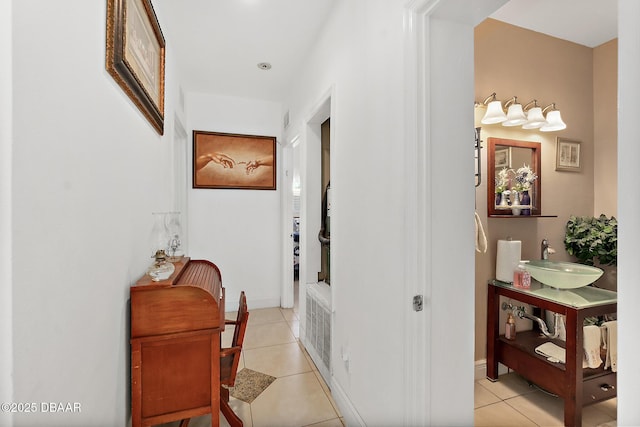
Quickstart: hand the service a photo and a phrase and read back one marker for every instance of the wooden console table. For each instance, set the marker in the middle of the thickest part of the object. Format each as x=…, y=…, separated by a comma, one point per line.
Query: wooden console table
x=577, y=386
x=175, y=345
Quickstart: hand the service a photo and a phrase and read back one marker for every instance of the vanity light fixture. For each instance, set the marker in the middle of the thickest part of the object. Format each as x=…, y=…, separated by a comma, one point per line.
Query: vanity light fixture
x=535, y=118
x=495, y=113
x=530, y=116
x=554, y=121
x=515, y=115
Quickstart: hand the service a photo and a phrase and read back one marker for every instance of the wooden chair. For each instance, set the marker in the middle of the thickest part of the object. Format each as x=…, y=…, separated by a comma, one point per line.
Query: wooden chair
x=229, y=360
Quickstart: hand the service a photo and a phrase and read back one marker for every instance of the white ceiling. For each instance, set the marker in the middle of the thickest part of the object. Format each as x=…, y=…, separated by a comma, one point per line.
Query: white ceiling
x=218, y=43
x=586, y=22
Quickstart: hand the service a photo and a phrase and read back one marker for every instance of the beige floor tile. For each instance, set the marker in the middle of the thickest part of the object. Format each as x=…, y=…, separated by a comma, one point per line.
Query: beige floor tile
x=295, y=328
x=508, y=386
x=265, y=315
x=262, y=335
x=327, y=390
x=500, y=415
x=242, y=409
x=289, y=314
x=593, y=417
x=539, y=407
x=322, y=382
x=293, y=401
x=609, y=407
x=547, y=410
x=308, y=357
x=483, y=397
x=277, y=360
x=336, y=422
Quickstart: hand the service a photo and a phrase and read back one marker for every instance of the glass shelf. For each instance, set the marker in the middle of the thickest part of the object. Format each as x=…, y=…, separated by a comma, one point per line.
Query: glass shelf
x=523, y=216
x=586, y=296
x=509, y=207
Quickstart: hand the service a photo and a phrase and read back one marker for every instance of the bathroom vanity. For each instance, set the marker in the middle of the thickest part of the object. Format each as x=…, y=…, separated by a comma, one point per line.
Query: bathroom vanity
x=577, y=386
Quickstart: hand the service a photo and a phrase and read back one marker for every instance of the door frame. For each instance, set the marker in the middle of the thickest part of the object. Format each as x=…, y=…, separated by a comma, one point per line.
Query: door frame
x=435, y=89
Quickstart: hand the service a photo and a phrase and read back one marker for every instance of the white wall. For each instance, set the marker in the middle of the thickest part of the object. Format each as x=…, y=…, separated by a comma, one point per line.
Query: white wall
x=238, y=230
x=359, y=55
x=362, y=57
x=88, y=171
x=629, y=227
x=6, y=131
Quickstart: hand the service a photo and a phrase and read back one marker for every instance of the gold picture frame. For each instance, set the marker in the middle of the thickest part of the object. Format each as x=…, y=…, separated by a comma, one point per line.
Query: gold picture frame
x=568, y=157
x=234, y=161
x=135, y=56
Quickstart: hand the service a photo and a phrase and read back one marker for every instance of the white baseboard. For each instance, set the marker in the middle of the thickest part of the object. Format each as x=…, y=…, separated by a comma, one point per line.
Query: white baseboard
x=347, y=410
x=352, y=418
x=253, y=304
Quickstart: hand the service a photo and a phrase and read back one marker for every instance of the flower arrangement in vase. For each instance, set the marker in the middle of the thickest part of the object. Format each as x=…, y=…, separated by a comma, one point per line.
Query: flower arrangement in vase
x=523, y=179
x=502, y=185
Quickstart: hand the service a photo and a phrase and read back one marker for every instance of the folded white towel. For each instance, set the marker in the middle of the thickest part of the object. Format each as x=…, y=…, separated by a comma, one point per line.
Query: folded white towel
x=591, y=344
x=481, y=238
x=552, y=352
x=610, y=330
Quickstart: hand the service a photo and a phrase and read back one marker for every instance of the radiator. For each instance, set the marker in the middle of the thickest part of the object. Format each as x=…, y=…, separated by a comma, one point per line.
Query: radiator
x=318, y=330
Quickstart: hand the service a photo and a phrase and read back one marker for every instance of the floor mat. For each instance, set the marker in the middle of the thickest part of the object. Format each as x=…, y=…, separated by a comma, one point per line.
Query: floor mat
x=249, y=384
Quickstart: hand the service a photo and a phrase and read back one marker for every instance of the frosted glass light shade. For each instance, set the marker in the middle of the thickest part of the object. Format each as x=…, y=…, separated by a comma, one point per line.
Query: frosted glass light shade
x=554, y=122
x=515, y=116
x=494, y=114
x=535, y=119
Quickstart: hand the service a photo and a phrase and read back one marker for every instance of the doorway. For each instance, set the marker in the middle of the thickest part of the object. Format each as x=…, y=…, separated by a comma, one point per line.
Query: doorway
x=324, y=236
x=180, y=180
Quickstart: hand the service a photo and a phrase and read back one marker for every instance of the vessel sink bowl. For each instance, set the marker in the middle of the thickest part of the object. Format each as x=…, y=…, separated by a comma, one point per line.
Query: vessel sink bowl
x=563, y=275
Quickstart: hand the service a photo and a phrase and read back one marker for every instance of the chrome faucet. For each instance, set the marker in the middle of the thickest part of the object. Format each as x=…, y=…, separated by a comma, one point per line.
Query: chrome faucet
x=544, y=249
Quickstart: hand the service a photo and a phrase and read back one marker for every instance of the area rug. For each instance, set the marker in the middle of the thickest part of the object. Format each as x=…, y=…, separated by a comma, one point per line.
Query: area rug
x=249, y=384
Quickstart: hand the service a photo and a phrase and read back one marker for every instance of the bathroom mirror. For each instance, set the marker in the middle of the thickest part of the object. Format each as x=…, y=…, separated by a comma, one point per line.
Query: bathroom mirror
x=512, y=154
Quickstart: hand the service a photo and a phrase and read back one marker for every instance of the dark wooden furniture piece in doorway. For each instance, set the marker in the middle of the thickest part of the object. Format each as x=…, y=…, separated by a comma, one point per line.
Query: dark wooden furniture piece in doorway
x=577, y=386
x=175, y=345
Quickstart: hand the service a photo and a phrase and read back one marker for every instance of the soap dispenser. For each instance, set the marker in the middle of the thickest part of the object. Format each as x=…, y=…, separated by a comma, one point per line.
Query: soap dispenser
x=521, y=277
x=510, y=328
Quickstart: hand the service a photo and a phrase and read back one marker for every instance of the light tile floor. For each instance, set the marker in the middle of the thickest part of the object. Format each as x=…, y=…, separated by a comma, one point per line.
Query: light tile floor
x=299, y=396
x=512, y=402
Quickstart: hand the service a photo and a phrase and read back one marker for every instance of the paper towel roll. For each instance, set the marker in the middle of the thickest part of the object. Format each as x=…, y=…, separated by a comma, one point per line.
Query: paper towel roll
x=507, y=259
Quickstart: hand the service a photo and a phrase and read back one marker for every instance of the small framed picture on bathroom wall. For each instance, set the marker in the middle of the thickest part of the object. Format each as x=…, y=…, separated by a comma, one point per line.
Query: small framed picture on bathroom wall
x=568, y=155
x=503, y=157
x=225, y=160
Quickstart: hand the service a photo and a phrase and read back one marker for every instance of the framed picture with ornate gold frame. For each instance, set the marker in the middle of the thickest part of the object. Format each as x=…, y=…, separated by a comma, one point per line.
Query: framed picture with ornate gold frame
x=568, y=155
x=227, y=160
x=136, y=54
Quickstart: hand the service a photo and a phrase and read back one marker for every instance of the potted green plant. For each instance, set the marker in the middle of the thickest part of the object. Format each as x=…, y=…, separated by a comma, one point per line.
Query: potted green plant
x=594, y=241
